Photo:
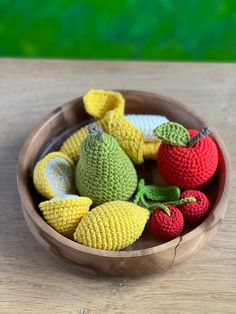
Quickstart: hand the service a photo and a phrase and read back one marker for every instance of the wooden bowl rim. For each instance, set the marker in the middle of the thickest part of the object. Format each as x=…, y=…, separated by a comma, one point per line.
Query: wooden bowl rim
x=44, y=227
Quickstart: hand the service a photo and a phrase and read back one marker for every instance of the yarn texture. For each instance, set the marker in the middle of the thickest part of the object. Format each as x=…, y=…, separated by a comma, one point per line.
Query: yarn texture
x=172, y=133
x=188, y=167
x=64, y=214
x=109, y=107
x=130, y=138
x=54, y=175
x=164, y=227
x=98, y=102
x=195, y=212
x=112, y=226
x=146, y=123
x=155, y=193
x=104, y=172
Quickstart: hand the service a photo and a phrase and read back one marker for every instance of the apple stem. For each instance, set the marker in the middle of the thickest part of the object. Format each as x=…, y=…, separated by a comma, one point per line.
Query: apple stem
x=204, y=132
x=95, y=129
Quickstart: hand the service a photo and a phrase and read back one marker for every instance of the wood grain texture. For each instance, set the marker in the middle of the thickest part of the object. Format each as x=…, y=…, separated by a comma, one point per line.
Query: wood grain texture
x=31, y=281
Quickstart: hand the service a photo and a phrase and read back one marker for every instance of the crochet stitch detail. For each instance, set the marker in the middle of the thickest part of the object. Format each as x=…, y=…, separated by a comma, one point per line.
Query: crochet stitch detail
x=165, y=227
x=194, y=213
x=98, y=102
x=54, y=175
x=129, y=138
x=146, y=123
x=112, y=226
x=172, y=133
x=181, y=166
x=155, y=193
x=64, y=214
x=109, y=106
x=204, y=132
x=104, y=172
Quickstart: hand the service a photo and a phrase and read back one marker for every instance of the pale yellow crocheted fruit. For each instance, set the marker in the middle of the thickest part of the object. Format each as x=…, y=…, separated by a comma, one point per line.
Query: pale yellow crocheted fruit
x=54, y=175
x=64, y=213
x=112, y=225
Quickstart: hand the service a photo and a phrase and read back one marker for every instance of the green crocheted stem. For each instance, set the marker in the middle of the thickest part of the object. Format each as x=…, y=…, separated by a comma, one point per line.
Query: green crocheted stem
x=162, y=206
x=182, y=201
x=172, y=133
x=204, y=132
x=95, y=129
x=139, y=194
x=155, y=193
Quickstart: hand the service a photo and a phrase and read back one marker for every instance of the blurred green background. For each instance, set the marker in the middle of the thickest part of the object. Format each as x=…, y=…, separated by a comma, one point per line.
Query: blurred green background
x=119, y=29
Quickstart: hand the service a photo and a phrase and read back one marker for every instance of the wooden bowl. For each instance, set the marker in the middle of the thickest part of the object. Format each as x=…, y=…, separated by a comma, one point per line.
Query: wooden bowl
x=146, y=255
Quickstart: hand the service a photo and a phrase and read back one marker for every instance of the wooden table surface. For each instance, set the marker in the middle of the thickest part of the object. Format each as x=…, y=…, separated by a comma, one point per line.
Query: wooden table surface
x=32, y=281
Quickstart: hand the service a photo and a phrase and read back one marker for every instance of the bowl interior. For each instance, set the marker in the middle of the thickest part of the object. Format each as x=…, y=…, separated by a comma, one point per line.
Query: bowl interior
x=58, y=125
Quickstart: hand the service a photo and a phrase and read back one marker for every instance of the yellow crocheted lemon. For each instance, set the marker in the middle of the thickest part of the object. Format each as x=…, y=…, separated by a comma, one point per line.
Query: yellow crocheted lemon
x=98, y=102
x=54, y=175
x=64, y=213
x=112, y=225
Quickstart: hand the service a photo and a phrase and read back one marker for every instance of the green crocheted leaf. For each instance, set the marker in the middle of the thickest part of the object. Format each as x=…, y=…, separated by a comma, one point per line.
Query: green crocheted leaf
x=155, y=193
x=172, y=133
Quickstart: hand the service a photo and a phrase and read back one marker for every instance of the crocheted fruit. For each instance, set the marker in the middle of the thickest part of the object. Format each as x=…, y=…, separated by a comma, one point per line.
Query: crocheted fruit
x=112, y=226
x=54, y=175
x=132, y=132
x=64, y=213
x=167, y=221
x=195, y=212
x=98, y=102
x=186, y=158
x=129, y=138
x=146, y=123
x=104, y=172
x=166, y=226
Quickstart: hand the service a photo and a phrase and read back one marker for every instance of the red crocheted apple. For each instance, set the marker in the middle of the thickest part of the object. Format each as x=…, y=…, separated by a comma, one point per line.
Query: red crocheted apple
x=194, y=212
x=186, y=158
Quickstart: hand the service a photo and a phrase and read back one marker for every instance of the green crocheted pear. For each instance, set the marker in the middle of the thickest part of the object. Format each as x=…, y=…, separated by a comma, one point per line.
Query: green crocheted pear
x=104, y=172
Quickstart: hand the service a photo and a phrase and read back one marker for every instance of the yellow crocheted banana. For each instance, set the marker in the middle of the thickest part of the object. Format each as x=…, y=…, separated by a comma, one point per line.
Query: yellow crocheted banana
x=54, y=175
x=109, y=107
x=64, y=213
x=98, y=102
x=112, y=225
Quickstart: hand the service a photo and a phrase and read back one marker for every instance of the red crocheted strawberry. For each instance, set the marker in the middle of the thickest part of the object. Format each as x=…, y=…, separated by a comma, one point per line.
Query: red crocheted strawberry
x=166, y=227
x=194, y=212
x=186, y=158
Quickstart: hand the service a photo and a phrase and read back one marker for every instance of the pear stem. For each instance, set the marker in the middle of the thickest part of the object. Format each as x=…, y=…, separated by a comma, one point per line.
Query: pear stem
x=96, y=130
x=204, y=132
